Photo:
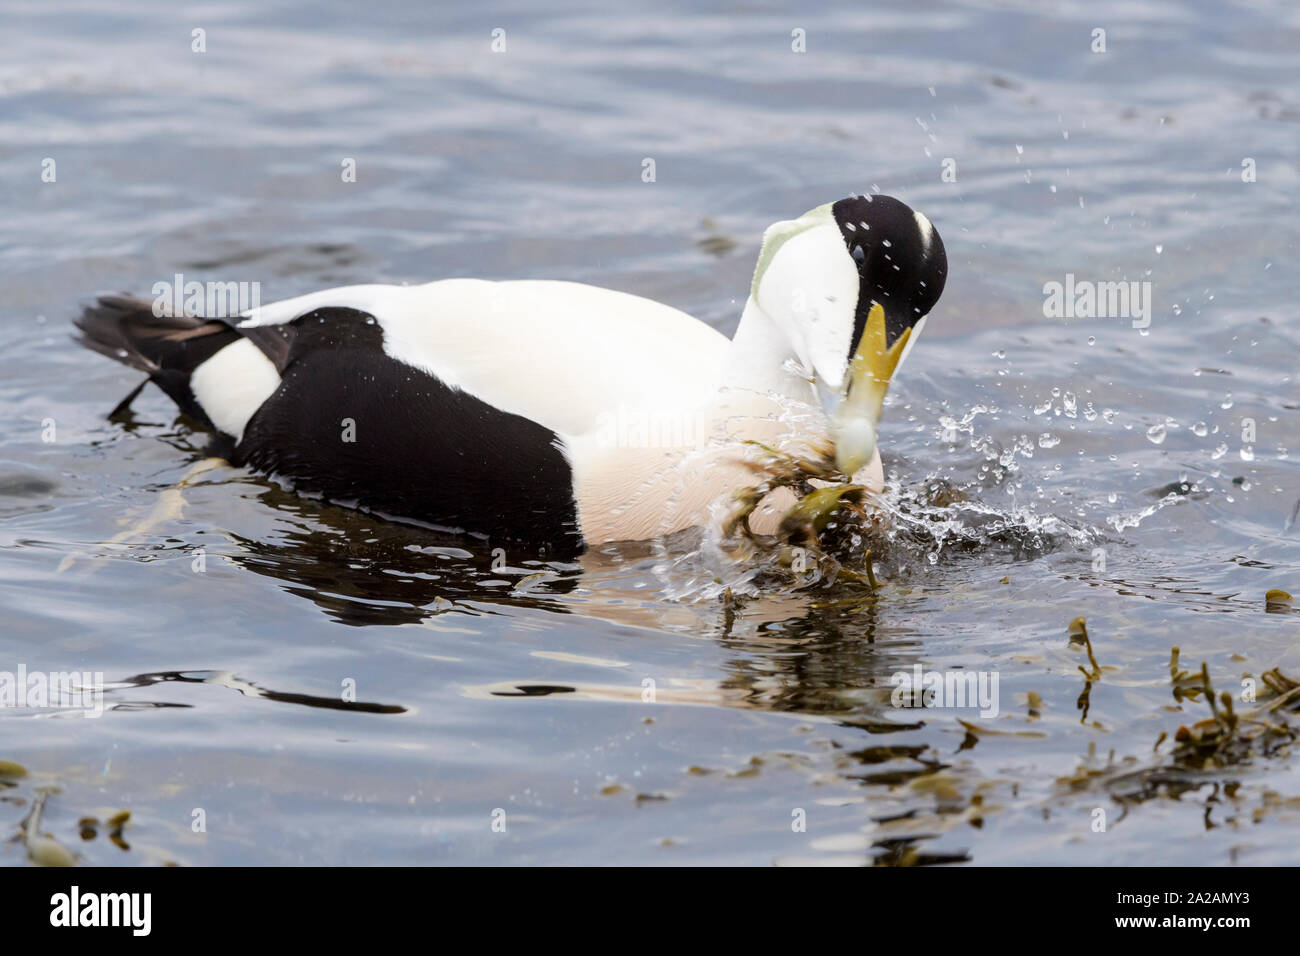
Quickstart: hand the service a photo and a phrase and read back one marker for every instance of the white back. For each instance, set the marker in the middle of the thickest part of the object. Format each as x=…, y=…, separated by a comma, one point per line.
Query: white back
x=559, y=353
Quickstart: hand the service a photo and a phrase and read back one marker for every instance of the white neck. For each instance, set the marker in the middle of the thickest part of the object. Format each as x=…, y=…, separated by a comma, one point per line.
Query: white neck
x=630, y=493
x=762, y=394
x=761, y=360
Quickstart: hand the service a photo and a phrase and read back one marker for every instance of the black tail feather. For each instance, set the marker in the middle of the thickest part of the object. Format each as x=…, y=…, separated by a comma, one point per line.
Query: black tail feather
x=168, y=347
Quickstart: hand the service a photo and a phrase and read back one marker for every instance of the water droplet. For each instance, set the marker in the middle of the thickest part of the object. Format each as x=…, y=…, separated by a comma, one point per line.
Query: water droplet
x=1247, y=453
x=1156, y=434
x=1048, y=440
x=1200, y=430
x=1159, y=249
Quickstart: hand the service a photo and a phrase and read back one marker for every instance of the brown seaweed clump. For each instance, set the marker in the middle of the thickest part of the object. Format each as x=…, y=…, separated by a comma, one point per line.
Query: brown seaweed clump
x=818, y=530
x=1227, y=737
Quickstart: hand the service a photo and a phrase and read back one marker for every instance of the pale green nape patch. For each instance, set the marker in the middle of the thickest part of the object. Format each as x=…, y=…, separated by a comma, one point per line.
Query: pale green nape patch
x=778, y=234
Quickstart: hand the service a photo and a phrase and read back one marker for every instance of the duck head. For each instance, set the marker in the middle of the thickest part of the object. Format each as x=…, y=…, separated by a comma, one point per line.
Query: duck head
x=849, y=285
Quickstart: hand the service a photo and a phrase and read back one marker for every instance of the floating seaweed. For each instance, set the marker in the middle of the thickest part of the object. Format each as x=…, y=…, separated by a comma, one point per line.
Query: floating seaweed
x=1227, y=737
x=42, y=848
x=1079, y=635
x=1186, y=684
x=1202, y=751
x=1278, y=601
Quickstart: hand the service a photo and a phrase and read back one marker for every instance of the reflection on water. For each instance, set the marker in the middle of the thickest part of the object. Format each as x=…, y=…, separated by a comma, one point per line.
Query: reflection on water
x=249, y=690
x=362, y=570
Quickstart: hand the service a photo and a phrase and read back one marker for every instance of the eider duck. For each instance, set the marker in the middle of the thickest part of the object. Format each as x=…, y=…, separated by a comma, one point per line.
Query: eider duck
x=548, y=412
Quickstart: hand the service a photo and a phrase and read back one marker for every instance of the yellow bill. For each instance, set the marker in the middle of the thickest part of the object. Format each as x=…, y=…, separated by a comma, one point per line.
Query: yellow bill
x=857, y=416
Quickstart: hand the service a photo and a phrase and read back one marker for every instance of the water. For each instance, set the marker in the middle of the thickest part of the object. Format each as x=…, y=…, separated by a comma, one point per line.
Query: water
x=333, y=689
